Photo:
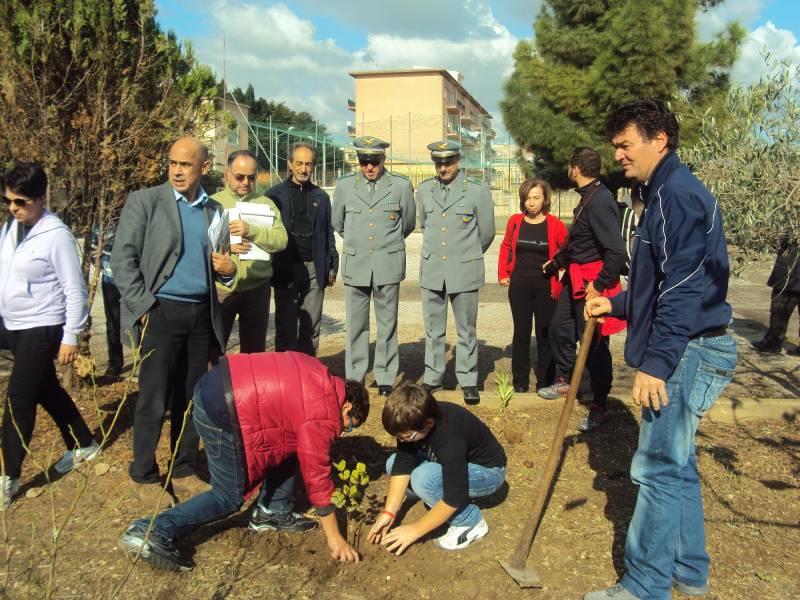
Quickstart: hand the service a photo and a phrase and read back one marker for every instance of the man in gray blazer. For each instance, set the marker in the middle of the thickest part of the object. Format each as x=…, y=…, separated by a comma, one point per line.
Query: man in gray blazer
x=457, y=219
x=165, y=269
x=373, y=211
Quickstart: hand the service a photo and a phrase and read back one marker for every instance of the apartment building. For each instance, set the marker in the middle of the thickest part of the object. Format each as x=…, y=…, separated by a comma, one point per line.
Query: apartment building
x=410, y=108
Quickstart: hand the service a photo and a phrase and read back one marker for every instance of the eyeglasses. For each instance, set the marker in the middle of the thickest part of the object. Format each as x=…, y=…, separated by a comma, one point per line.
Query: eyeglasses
x=18, y=202
x=240, y=177
x=375, y=162
x=408, y=438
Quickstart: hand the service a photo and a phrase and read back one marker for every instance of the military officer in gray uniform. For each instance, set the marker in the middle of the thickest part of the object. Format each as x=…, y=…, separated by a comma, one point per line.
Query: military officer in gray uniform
x=373, y=211
x=457, y=218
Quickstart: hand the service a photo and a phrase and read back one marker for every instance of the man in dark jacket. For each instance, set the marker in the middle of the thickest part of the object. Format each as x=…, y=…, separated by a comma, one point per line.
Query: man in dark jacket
x=785, y=283
x=678, y=342
x=261, y=416
x=593, y=257
x=310, y=262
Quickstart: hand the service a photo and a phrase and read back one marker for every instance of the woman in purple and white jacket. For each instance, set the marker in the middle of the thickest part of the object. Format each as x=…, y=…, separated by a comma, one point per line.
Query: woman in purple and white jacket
x=43, y=309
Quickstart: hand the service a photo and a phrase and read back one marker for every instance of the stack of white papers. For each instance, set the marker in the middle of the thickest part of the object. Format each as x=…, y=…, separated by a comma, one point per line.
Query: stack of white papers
x=253, y=214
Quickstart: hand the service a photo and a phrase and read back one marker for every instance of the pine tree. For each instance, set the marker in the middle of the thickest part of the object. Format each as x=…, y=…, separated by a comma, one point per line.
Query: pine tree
x=590, y=55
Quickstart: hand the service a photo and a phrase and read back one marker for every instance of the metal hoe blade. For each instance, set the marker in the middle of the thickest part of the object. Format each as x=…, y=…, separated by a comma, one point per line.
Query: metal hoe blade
x=525, y=577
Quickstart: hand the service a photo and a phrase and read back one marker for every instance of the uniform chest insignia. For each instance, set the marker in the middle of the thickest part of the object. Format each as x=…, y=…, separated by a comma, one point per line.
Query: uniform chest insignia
x=392, y=217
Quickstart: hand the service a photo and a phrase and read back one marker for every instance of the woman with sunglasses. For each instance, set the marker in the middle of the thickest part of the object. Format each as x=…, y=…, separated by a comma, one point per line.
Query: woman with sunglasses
x=43, y=309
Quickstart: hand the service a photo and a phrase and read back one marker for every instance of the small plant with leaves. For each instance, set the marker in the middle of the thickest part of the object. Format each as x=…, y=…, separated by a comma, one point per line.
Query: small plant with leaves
x=505, y=392
x=349, y=496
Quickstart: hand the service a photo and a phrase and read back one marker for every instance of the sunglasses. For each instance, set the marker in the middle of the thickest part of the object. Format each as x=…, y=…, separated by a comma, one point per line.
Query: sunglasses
x=408, y=438
x=18, y=202
x=369, y=161
x=241, y=177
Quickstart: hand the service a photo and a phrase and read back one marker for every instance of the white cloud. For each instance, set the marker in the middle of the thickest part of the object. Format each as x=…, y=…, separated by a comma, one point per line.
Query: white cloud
x=780, y=43
x=715, y=20
x=281, y=54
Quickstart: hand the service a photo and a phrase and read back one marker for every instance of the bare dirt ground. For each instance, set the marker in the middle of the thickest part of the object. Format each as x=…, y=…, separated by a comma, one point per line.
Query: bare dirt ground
x=749, y=458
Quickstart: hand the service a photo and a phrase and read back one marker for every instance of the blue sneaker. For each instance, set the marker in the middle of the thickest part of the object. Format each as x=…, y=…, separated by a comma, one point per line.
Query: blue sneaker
x=73, y=458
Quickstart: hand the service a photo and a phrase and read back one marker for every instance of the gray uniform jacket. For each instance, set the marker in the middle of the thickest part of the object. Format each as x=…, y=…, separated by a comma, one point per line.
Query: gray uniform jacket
x=146, y=248
x=456, y=233
x=374, y=227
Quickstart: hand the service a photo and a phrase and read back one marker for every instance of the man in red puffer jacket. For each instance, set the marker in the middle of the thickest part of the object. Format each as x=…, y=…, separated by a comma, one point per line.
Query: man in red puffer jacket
x=261, y=416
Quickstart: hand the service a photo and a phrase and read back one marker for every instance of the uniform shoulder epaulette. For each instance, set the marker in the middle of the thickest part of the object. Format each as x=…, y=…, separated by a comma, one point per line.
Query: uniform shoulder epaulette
x=475, y=180
x=427, y=180
x=345, y=176
x=400, y=175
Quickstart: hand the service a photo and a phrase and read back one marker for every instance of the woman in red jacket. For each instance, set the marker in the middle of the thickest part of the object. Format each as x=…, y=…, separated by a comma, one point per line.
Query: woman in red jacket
x=260, y=416
x=533, y=236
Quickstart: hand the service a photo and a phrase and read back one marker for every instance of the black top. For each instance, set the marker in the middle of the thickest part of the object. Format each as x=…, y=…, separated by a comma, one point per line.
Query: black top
x=595, y=235
x=457, y=438
x=299, y=245
x=532, y=248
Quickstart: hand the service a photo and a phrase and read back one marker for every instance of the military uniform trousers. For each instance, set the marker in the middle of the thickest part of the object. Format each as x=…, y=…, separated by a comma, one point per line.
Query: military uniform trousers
x=386, y=299
x=465, y=312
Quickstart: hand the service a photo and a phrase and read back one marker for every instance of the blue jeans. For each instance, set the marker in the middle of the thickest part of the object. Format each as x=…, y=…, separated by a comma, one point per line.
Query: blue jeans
x=226, y=495
x=427, y=484
x=277, y=492
x=666, y=537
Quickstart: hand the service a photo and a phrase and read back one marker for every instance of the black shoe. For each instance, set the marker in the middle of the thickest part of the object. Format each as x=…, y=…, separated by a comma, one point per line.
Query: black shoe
x=430, y=388
x=157, y=551
x=113, y=371
x=471, y=395
x=766, y=348
x=384, y=390
x=520, y=389
x=262, y=519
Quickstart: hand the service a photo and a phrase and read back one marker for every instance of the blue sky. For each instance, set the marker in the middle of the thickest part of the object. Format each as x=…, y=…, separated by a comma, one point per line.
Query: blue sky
x=300, y=53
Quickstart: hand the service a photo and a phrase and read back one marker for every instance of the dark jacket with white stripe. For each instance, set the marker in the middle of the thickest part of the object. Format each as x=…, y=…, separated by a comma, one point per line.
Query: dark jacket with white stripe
x=679, y=271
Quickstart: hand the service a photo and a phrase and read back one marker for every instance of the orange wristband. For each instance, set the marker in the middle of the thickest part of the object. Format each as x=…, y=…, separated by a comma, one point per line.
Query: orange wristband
x=392, y=516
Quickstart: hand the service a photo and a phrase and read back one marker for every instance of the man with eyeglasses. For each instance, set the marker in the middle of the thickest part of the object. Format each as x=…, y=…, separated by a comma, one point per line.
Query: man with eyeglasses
x=249, y=297
x=310, y=262
x=374, y=212
x=457, y=219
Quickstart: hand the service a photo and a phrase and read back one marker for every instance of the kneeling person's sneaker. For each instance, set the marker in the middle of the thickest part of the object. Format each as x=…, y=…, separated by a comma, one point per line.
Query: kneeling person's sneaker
x=265, y=520
x=73, y=458
x=594, y=419
x=8, y=488
x=156, y=551
x=457, y=538
x=617, y=592
x=559, y=389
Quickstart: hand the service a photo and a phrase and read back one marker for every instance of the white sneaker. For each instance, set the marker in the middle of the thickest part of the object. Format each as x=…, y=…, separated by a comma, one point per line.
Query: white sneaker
x=72, y=458
x=457, y=538
x=8, y=489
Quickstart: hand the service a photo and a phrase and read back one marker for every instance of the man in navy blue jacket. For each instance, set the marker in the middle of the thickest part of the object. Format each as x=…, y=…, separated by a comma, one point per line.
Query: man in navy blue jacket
x=310, y=262
x=678, y=342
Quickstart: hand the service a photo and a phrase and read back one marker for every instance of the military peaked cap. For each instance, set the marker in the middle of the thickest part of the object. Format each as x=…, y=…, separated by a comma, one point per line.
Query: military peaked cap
x=444, y=149
x=370, y=146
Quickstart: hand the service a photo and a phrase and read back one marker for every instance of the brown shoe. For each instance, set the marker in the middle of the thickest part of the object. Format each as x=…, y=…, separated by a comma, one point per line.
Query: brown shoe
x=153, y=497
x=189, y=487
